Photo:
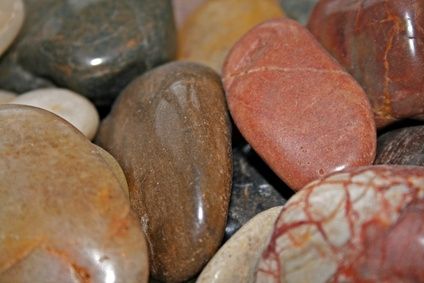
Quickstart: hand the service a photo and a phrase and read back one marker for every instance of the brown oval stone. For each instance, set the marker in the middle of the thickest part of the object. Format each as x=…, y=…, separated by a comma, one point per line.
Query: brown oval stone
x=215, y=26
x=64, y=217
x=303, y=114
x=381, y=44
x=169, y=130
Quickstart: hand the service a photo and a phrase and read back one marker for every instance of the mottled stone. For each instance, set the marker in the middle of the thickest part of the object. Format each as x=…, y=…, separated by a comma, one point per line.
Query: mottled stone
x=11, y=19
x=97, y=47
x=236, y=260
x=298, y=10
x=72, y=107
x=214, y=27
x=401, y=147
x=6, y=96
x=303, y=114
x=183, y=9
x=363, y=225
x=64, y=216
x=381, y=43
x=169, y=130
x=250, y=194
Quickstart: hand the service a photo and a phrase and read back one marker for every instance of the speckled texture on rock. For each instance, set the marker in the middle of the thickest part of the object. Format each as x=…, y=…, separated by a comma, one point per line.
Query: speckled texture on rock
x=213, y=28
x=250, y=194
x=64, y=216
x=381, y=43
x=364, y=225
x=298, y=10
x=236, y=260
x=169, y=130
x=96, y=48
x=303, y=114
x=12, y=15
x=401, y=147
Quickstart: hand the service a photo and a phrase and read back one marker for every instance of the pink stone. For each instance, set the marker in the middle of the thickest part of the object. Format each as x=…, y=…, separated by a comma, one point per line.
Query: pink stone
x=363, y=225
x=298, y=108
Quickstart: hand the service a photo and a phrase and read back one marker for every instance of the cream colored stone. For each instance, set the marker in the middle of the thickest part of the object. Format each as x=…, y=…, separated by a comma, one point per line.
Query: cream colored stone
x=72, y=107
x=6, y=96
x=236, y=261
x=11, y=19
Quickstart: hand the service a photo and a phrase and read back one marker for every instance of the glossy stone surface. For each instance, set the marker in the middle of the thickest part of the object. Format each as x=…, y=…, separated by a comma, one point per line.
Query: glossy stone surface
x=298, y=10
x=236, y=260
x=303, y=114
x=250, y=194
x=402, y=147
x=214, y=27
x=169, y=130
x=381, y=44
x=6, y=96
x=72, y=107
x=12, y=15
x=365, y=225
x=64, y=216
x=96, y=48
x=183, y=9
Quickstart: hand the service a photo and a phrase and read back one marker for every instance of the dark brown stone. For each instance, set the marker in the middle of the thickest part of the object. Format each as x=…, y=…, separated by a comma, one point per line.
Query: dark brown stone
x=381, y=43
x=401, y=147
x=169, y=130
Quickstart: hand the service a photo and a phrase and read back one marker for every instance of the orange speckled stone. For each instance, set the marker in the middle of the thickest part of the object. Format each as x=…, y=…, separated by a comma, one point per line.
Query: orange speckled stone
x=297, y=107
x=214, y=27
x=64, y=216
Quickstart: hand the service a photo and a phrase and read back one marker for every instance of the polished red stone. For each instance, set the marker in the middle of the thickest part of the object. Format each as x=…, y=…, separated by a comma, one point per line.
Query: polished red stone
x=365, y=225
x=303, y=114
x=381, y=44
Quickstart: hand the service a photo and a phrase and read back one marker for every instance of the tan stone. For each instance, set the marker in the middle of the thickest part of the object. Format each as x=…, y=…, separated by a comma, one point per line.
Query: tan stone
x=216, y=25
x=11, y=19
x=6, y=96
x=72, y=107
x=236, y=261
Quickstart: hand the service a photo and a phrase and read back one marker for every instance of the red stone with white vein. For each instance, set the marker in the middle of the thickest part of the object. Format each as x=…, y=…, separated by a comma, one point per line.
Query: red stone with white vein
x=298, y=108
x=365, y=225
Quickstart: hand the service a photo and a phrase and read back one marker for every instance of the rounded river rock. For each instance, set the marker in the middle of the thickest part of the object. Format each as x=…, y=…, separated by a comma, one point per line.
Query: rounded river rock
x=170, y=132
x=64, y=215
x=297, y=107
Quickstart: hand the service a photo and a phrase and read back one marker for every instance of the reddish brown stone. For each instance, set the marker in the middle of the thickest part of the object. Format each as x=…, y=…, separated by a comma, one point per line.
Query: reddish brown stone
x=365, y=225
x=295, y=105
x=381, y=44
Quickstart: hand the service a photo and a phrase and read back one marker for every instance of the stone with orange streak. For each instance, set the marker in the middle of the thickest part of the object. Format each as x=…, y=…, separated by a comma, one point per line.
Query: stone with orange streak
x=297, y=107
x=215, y=26
x=381, y=44
x=64, y=215
x=361, y=225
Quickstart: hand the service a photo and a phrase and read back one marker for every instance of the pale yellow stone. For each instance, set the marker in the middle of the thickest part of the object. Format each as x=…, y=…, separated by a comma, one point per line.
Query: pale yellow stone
x=11, y=19
x=72, y=107
x=6, y=96
x=236, y=261
x=216, y=25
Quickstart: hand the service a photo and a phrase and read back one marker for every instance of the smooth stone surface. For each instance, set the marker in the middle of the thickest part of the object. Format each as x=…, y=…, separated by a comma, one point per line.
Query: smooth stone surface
x=12, y=15
x=13, y=76
x=402, y=147
x=365, y=225
x=381, y=44
x=6, y=96
x=169, y=130
x=298, y=10
x=96, y=48
x=236, y=260
x=64, y=216
x=250, y=194
x=303, y=114
x=72, y=107
x=183, y=9
x=214, y=27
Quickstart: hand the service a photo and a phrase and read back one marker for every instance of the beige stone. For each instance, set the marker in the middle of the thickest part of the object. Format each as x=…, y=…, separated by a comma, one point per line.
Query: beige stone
x=236, y=261
x=72, y=107
x=6, y=96
x=11, y=19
